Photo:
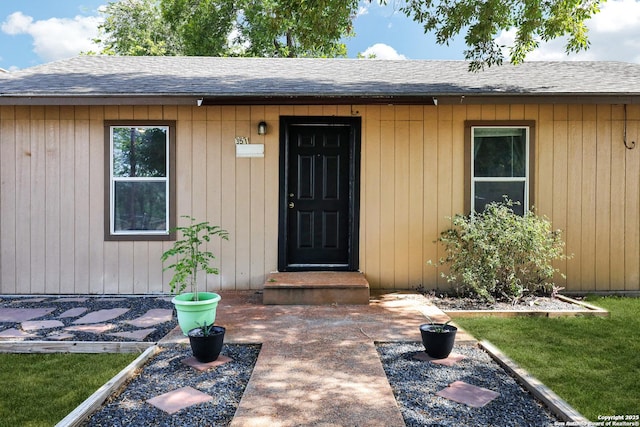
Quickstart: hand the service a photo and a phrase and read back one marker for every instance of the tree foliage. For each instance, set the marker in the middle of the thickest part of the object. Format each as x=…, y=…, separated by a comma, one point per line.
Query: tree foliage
x=484, y=20
x=317, y=28
x=135, y=28
x=265, y=28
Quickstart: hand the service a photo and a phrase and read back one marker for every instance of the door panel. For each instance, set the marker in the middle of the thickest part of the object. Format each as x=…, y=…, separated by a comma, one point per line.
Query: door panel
x=319, y=197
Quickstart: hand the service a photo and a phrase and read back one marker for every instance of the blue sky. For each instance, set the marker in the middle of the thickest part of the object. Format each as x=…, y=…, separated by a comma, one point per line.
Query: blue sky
x=37, y=31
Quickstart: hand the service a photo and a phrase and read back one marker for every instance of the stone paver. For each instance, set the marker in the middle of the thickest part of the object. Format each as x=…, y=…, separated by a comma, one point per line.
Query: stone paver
x=181, y=398
x=152, y=317
x=36, y=325
x=29, y=300
x=73, y=312
x=101, y=316
x=71, y=299
x=59, y=336
x=16, y=315
x=96, y=328
x=468, y=394
x=14, y=333
x=139, y=334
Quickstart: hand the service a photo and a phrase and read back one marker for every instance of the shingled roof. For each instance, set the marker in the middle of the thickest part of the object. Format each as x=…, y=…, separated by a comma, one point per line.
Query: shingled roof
x=209, y=80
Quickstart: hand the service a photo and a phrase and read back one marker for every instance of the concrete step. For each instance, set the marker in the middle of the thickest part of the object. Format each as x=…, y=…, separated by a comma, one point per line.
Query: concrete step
x=316, y=288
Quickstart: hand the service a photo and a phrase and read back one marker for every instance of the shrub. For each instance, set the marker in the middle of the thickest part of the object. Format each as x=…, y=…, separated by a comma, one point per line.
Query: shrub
x=500, y=255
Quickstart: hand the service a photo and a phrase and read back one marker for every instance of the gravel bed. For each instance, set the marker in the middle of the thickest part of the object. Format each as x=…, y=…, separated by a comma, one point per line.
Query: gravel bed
x=137, y=306
x=415, y=384
x=446, y=303
x=165, y=373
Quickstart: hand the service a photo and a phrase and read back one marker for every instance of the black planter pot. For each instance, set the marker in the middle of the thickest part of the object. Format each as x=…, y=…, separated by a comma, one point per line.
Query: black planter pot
x=438, y=344
x=206, y=349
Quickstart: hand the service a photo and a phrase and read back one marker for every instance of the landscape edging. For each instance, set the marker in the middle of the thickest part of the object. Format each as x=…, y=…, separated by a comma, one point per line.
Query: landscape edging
x=93, y=402
x=555, y=403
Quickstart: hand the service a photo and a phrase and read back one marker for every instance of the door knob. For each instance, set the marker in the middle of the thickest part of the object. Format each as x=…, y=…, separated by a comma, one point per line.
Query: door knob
x=291, y=205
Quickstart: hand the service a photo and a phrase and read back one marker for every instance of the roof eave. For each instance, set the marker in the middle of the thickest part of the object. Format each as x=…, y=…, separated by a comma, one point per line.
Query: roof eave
x=324, y=99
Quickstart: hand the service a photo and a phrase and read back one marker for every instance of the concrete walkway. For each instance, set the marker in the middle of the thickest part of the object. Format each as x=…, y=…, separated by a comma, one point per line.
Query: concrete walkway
x=318, y=364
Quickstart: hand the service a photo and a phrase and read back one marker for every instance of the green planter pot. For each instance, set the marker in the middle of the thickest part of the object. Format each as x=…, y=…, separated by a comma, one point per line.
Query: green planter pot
x=192, y=314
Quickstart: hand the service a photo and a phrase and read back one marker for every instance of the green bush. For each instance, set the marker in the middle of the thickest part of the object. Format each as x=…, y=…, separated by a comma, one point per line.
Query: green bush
x=500, y=255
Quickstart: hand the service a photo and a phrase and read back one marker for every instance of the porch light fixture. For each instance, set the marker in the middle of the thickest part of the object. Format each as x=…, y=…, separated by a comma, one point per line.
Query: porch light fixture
x=262, y=128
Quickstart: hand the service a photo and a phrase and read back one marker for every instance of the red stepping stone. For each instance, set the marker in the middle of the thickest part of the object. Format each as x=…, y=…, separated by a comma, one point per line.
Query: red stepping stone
x=179, y=399
x=468, y=394
x=101, y=315
x=193, y=362
x=21, y=314
x=152, y=317
x=449, y=361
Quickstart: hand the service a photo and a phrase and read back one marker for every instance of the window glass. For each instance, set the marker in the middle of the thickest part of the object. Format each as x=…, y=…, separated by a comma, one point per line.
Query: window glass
x=499, y=152
x=487, y=192
x=499, y=166
x=139, y=180
x=140, y=152
x=140, y=206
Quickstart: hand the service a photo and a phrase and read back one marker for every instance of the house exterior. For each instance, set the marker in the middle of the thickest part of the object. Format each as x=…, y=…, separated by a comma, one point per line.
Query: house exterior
x=361, y=165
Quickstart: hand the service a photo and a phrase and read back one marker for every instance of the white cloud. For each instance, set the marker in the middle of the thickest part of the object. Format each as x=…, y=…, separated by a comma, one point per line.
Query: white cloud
x=55, y=38
x=362, y=10
x=614, y=34
x=382, y=51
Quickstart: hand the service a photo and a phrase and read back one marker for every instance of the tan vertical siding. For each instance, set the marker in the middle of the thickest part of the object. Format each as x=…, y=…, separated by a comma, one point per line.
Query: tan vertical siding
x=401, y=218
x=8, y=198
x=23, y=201
x=632, y=204
x=560, y=176
x=416, y=234
x=257, y=200
x=80, y=209
x=430, y=251
x=603, y=197
x=271, y=184
x=573, y=228
x=387, y=197
x=444, y=165
x=412, y=180
x=370, y=244
x=618, y=178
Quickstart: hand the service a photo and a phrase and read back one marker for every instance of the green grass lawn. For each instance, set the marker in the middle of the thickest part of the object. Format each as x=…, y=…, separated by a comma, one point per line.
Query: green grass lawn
x=42, y=389
x=591, y=362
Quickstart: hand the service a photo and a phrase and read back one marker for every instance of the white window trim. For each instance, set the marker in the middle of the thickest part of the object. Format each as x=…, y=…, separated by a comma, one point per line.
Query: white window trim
x=114, y=179
x=524, y=179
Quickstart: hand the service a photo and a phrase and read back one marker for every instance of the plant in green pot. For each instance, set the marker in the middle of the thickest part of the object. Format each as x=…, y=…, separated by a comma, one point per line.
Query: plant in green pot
x=438, y=338
x=194, y=308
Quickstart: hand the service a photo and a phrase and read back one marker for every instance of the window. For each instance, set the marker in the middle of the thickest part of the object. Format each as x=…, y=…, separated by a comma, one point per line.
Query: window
x=140, y=180
x=498, y=163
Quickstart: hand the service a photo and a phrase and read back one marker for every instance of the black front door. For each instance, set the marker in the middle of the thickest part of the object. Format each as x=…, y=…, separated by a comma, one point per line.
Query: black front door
x=319, y=194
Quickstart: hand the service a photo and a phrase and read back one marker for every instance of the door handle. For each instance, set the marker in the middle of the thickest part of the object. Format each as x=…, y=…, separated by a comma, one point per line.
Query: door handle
x=291, y=205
